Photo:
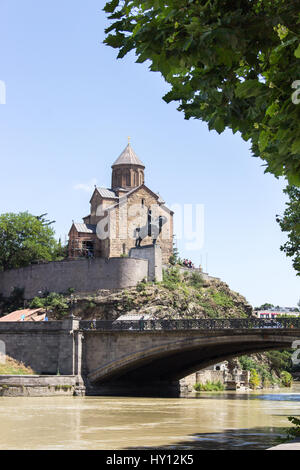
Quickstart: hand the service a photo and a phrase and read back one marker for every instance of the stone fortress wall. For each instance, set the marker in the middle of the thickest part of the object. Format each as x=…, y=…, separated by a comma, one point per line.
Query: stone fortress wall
x=90, y=275
x=84, y=275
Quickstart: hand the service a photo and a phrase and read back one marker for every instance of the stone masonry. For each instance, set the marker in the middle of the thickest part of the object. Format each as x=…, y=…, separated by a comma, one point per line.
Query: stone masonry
x=152, y=253
x=136, y=359
x=109, y=230
x=85, y=275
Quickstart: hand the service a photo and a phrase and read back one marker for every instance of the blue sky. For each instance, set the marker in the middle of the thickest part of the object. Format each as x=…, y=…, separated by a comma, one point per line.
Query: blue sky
x=70, y=106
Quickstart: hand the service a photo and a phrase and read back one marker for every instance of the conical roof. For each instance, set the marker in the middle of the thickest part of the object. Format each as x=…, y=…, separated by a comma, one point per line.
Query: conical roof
x=128, y=157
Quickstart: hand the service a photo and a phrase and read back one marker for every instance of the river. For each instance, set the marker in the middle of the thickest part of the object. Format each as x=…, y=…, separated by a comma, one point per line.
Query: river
x=224, y=420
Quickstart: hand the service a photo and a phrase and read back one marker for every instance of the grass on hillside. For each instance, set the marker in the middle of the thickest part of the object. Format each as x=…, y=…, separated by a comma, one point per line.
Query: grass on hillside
x=13, y=367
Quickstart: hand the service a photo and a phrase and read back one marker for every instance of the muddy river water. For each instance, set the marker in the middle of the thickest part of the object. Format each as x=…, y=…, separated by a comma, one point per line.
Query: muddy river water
x=225, y=420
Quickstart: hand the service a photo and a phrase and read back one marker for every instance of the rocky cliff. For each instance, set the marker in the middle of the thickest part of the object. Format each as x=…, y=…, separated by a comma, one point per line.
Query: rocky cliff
x=178, y=296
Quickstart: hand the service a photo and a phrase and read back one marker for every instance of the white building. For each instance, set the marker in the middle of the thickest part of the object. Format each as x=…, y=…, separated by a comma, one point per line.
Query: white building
x=266, y=314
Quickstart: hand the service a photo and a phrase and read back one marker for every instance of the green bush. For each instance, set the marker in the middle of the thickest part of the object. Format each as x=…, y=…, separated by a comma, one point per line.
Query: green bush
x=141, y=286
x=53, y=300
x=263, y=373
x=247, y=363
x=70, y=290
x=37, y=302
x=222, y=299
x=209, y=386
x=173, y=260
x=210, y=311
x=286, y=379
x=171, y=278
x=294, y=432
x=280, y=360
x=254, y=379
x=196, y=280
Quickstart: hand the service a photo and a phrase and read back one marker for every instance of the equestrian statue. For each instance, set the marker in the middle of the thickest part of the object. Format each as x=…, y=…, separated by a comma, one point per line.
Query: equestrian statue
x=152, y=229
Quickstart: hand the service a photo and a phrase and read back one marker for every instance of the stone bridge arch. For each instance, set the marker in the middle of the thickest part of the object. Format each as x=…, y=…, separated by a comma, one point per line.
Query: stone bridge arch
x=143, y=358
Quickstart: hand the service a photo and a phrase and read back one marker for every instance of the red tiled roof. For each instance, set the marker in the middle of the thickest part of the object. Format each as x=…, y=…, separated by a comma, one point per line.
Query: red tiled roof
x=29, y=315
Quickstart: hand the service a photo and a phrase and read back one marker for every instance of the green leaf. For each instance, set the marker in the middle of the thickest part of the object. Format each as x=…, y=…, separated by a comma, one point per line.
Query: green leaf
x=187, y=43
x=111, y=6
x=297, y=52
x=294, y=180
x=263, y=140
x=219, y=125
x=296, y=146
x=249, y=88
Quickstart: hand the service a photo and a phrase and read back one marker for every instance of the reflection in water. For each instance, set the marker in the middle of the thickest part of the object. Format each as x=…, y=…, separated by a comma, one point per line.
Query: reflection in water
x=280, y=397
x=230, y=439
x=212, y=421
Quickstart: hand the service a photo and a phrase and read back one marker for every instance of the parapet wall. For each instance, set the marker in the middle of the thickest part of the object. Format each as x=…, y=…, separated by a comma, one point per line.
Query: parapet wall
x=82, y=275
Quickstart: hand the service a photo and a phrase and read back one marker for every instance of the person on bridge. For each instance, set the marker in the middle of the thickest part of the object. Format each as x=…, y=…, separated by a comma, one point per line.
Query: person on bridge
x=142, y=324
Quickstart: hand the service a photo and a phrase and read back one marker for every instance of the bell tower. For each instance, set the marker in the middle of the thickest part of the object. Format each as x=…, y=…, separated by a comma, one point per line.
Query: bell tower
x=127, y=170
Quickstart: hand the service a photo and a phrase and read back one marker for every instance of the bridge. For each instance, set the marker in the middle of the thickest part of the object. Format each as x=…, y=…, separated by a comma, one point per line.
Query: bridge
x=148, y=356
x=139, y=357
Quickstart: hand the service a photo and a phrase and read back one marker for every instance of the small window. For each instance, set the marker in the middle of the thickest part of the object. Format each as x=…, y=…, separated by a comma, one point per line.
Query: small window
x=124, y=248
x=143, y=202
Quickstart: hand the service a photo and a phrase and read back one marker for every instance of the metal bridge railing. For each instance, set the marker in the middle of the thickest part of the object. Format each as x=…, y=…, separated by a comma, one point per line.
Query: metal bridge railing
x=189, y=324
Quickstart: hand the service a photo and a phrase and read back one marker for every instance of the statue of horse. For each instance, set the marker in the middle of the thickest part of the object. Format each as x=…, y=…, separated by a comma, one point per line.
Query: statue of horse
x=152, y=229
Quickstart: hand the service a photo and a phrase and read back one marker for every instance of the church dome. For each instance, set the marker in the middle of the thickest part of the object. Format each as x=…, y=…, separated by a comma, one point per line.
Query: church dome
x=128, y=170
x=128, y=157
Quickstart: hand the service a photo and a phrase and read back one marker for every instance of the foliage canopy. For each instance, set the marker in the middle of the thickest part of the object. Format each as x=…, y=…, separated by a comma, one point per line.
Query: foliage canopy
x=290, y=223
x=231, y=64
x=25, y=238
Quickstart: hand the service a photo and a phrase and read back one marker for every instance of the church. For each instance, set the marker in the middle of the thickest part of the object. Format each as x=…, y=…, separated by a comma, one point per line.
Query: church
x=118, y=215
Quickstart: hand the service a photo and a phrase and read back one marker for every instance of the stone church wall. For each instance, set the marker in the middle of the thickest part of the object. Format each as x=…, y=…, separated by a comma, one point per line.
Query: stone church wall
x=122, y=235
x=82, y=275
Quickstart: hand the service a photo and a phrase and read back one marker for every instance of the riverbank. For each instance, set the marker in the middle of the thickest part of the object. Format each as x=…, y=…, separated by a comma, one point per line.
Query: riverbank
x=9, y=366
x=39, y=385
x=70, y=385
x=18, y=380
